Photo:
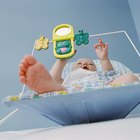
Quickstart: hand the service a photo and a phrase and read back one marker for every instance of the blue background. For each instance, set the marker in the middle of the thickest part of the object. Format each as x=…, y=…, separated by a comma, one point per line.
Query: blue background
x=23, y=21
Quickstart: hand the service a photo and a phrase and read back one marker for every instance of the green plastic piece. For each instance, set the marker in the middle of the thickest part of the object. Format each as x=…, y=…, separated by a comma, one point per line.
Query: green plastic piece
x=81, y=38
x=36, y=96
x=63, y=47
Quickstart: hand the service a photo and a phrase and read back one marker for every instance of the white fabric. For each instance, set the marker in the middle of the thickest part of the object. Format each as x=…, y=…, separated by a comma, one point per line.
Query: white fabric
x=79, y=74
x=102, y=78
x=124, y=129
x=121, y=68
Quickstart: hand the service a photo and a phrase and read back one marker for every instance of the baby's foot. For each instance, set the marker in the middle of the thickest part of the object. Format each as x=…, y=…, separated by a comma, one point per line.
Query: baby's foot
x=36, y=77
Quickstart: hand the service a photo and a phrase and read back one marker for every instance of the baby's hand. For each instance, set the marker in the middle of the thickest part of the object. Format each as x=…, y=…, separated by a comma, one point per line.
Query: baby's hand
x=101, y=50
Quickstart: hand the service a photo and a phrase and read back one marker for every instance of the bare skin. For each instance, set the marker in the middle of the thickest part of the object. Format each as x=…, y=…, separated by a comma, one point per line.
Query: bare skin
x=84, y=63
x=36, y=76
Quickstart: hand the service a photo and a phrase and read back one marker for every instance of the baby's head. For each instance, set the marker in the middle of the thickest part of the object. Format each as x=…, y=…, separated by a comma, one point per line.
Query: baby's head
x=84, y=63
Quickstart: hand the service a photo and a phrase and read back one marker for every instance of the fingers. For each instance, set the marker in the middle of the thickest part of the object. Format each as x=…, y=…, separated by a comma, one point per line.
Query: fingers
x=100, y=40
x=101, y=44
x=96, y=46
x=106, y=46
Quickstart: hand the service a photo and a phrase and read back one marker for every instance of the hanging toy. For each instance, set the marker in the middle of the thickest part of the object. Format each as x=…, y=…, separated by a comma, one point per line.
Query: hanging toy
x=81, y=38
x=63, y=41
x=41, y=43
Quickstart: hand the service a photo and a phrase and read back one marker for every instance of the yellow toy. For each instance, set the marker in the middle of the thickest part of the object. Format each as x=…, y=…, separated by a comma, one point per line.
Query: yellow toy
x=63, y=41
x=41, y=43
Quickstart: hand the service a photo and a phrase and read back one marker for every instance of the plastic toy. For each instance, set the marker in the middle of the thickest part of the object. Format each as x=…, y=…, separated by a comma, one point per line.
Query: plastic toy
x=41, y=43
x=63, y=38
x=63, y=41
x=81, y=38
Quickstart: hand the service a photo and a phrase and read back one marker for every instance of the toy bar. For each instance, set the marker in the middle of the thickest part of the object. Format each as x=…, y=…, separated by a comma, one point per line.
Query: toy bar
x=63, y=41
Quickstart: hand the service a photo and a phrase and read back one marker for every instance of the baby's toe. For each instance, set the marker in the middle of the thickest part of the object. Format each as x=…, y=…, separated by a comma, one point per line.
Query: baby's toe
x=22, y=67
x=21, y=73
x=30, y=60
x=22, y=79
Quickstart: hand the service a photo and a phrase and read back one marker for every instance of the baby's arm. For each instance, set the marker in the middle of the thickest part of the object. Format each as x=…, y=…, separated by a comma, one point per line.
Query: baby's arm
x=101, y=50
x=57, y=69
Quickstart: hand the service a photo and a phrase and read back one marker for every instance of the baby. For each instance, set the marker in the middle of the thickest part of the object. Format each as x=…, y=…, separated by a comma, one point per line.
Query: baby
x=36, y=76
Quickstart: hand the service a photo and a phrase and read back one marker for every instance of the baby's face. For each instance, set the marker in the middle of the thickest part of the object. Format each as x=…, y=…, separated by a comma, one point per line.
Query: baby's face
x=85, y=63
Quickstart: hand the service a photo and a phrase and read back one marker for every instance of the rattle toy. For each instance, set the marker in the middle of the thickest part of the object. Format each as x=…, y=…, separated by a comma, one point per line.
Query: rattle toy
x=63, y=41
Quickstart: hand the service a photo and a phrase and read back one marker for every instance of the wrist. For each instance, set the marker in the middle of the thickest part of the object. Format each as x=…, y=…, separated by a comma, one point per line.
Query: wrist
x=62, y=61
x=104, y=59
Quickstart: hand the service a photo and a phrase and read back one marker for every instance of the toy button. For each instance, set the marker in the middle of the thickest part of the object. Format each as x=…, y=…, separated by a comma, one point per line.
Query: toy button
x=63, y=50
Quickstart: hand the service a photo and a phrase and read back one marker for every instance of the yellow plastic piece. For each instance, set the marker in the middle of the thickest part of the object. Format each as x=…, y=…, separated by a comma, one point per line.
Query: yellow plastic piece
x=62, y=92
x=63, y=32
x=14, y=98
x=41, y=43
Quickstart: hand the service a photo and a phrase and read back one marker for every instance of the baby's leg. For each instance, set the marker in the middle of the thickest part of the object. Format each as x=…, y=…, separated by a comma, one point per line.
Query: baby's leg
x=36, y=77
x=126, y=78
